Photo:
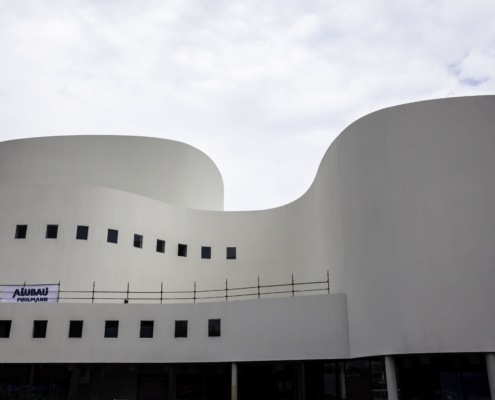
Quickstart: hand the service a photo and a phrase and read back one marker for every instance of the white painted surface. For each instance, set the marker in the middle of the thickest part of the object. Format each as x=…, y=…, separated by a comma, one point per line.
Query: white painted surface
x=164, y=170
x=274, y=329
x=400, y=214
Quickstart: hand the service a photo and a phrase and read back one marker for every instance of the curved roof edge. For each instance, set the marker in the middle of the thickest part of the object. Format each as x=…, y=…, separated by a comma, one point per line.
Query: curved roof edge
x=161, y=169
x=356, y=122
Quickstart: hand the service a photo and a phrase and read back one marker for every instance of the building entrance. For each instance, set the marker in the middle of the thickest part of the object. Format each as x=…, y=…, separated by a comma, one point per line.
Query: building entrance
x=153, y=387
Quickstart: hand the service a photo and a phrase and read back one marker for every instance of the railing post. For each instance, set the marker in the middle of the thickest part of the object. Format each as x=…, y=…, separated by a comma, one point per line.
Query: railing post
x=195, y=292
x=328, y=282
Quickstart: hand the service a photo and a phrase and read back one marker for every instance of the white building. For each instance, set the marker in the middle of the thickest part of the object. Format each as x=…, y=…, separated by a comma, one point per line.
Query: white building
x=397, y=229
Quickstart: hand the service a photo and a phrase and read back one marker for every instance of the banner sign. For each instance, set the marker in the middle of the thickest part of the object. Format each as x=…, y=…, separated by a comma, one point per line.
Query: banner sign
x=30, y=294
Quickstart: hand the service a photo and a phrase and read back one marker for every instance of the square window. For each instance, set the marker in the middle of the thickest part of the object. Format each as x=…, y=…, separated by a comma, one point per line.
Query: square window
x=51, y=231
x=138, y=241
x=112, y=236
x=111, y=329
x=206, y=252
x=20, y=231
x=213, y=327
x=231, y=253
x=146, y=329
x=180, y=328
x=160, y=246
x=39, y=329
x=82, y=232
x=5, y=329
x=182, y=250
x=75, y=329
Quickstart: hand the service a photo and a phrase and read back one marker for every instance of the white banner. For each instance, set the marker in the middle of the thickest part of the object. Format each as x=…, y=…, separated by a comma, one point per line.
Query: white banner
x=30, y=294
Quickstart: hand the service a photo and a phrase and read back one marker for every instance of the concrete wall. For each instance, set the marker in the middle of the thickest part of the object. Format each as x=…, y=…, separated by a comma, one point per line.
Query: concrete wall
x=417, y=187
x=400, y=214
x=261, y=242
x=312, y=327
x=164, y=170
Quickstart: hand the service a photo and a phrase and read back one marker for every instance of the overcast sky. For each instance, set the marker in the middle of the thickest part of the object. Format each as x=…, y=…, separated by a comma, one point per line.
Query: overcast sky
x=262, y=87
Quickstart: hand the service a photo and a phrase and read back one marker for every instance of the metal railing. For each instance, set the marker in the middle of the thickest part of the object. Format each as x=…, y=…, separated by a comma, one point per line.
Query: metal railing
x=161, y=296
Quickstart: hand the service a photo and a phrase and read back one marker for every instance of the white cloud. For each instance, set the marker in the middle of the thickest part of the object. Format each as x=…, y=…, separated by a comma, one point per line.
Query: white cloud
x=477, y=68
x=263, y=87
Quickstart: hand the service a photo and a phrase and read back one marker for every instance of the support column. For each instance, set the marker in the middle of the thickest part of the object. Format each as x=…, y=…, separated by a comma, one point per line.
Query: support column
x=74, y=384
x=393, y=394
x=490, y=370
x=342, y=380
x=30, y=384
x=102, y=382
x=303, y=381
x=234, y=381
x=171, y=383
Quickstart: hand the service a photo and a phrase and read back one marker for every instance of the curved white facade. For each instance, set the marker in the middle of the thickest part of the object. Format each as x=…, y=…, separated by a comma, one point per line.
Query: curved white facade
x=163, y=170
x=400, y=214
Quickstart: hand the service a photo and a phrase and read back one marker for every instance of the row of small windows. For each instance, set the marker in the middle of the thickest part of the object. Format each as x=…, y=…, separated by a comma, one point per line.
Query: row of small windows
x=111, y=329
x=113, y=235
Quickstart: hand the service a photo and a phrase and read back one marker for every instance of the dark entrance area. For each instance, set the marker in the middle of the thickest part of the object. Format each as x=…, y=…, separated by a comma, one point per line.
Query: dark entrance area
x=453, y=377
x=49, y=381
x=153, y=387
x=277, y=381
x=362, y=379
x=203, y=381
x=419, y=377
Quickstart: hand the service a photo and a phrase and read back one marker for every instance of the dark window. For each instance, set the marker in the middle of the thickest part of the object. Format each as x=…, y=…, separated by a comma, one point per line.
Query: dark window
x=180, y=328
x=213, y=327
x=39, y=329
x=206, y=252
x=51, y=231
x=75, y=329
x=160, y=246
x=182, y=250
x=138, y=241
x=82, y=232
x=111, y=329
x=146, y=329
x=231, y=253
x=5, y=329
x=357, y=369
x=112, y=236
x=20, y=231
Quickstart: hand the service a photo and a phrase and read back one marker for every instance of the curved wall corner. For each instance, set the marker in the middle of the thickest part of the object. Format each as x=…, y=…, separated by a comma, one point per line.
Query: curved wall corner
x=164, y=170
x=417, y=199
